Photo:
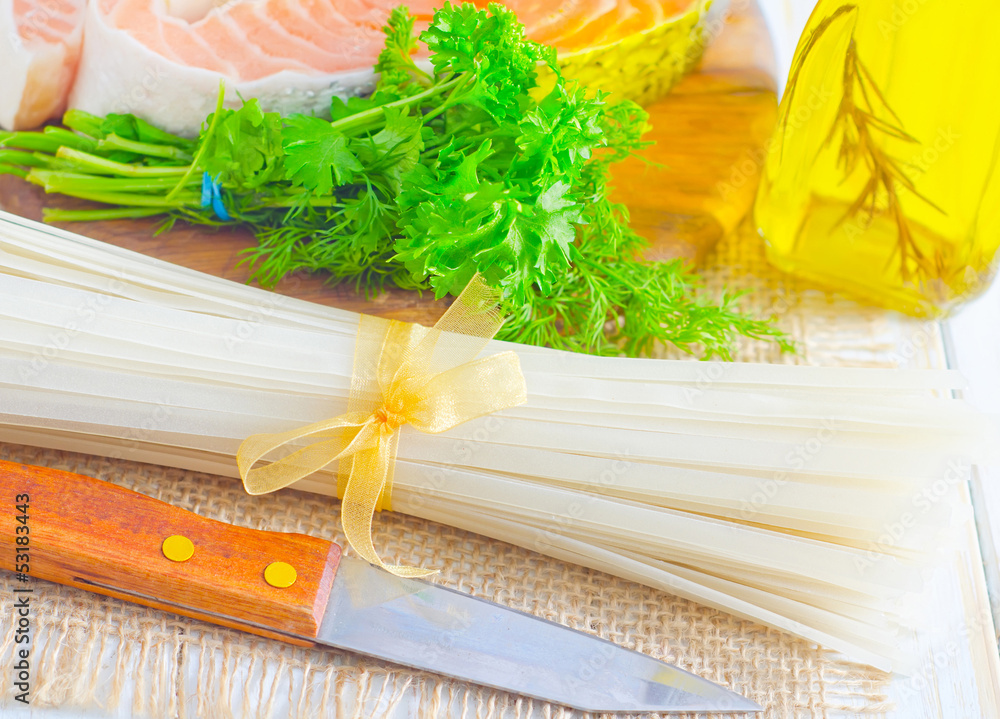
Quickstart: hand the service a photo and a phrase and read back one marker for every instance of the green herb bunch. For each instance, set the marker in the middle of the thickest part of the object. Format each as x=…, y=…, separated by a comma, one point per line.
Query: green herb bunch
x=442, y=172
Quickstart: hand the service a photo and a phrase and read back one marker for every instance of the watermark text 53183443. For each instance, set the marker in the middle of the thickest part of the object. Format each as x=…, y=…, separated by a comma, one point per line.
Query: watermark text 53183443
x=22, y=599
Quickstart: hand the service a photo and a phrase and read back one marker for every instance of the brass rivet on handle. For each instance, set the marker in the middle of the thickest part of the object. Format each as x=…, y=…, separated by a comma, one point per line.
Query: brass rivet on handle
x=177, y=548
x=280, y=575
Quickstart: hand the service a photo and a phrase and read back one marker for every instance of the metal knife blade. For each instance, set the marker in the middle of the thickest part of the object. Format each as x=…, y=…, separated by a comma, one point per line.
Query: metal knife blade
x=431, y=627
x=100, y=537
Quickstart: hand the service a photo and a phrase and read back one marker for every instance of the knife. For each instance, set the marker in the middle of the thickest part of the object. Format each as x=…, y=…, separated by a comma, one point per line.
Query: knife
x=93, y=535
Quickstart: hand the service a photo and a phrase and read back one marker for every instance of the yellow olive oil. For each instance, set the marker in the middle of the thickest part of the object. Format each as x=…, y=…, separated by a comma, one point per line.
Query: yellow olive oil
x=883, y=179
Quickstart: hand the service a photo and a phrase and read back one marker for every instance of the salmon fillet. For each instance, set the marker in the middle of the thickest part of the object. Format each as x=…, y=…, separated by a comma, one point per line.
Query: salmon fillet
x=139, y=57
x=164, y=59
x=39, y=54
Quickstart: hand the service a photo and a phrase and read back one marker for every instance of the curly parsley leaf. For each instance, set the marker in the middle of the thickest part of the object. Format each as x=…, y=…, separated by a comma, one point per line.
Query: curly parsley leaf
x=491, y=51
x=395, y=65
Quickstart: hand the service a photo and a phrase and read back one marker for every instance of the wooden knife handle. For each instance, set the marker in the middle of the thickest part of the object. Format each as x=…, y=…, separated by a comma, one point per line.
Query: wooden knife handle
x=100, y=537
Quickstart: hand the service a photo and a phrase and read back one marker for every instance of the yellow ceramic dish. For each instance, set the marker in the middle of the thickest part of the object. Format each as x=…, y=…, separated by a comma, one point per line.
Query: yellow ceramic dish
x=642, y=66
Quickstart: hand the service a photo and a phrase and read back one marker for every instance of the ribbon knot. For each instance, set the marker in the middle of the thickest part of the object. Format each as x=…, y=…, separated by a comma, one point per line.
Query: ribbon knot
x=403, y=374
x=392, y=420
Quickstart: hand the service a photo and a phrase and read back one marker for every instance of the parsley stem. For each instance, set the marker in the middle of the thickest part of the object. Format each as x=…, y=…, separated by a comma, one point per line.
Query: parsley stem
x=117, y=213
x=423, y=73
x=129, y=199
x=102, y=166
x=455, y=98
x=114, y=142
x=54, y=181
x=294, y=201
x=30, y=141
x=370, y=118
x=12, y=170
x=83, y=122
x=24, y=159
x=70, y=139
x=204, y=141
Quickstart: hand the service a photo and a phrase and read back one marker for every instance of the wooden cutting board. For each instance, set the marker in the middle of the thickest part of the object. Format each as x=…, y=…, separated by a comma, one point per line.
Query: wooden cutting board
x=697, y=185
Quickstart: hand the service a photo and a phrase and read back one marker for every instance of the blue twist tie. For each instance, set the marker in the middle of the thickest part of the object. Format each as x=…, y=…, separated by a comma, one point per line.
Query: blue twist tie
x=211, y=194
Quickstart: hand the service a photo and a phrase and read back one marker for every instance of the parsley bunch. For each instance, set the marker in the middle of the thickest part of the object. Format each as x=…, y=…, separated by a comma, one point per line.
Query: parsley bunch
x=444, y=171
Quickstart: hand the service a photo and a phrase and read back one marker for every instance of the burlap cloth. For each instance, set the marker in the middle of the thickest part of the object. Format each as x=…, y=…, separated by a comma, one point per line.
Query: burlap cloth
x=94, y=651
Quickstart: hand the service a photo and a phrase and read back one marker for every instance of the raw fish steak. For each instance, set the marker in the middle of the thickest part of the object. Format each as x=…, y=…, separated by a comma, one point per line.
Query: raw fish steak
x=39, y=54
x=164, y=59
x=292, y=55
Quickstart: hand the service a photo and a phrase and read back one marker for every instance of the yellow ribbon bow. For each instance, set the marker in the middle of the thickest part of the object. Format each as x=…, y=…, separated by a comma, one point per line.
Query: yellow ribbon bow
x=403, y=374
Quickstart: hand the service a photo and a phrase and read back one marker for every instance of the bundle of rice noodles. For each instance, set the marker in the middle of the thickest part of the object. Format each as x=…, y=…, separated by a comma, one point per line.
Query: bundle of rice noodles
x=765, y=491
